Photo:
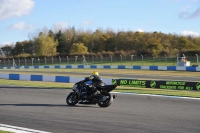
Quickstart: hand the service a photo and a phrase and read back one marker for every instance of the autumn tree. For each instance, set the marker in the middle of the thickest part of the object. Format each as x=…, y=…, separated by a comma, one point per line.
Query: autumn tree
x=78, y=48
x=45, y=45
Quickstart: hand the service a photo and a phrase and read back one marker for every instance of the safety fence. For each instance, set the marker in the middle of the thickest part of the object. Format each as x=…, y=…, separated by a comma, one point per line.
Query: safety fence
x=127, y=60
x=167, y=68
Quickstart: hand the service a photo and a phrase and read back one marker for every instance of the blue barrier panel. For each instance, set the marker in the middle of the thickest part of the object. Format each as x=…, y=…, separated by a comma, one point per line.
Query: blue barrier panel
x=121, y=67
x=106, y=66
x=36, y=66
x=80, y=66
x=153, y=67
x=46, y=66
x=69, y=66
x=191, y=68
x=36, y=77
x=17, y=67
x=136, y=67
x=26, y=67
x=62, y=79
x=171, y=68
x=14, y=76
x=93, y=66
x=57, y=67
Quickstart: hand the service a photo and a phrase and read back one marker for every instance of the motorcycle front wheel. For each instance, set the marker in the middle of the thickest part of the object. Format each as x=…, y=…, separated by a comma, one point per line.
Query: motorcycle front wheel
x=106, y=100
x=71, y=99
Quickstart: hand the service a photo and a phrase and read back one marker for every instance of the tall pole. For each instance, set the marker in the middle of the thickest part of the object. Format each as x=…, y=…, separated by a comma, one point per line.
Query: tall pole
x=111, y=59
x=197, y=59
x=131, y=59
x=142, y=59
x=121, y=59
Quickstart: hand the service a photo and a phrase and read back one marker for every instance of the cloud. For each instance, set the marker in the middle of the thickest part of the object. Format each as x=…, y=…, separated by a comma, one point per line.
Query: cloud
x=15, y=8
x=60, y=26
x=140, y=30
x=86, y=22
x=7, y=43
x=195, y=14
x=189, y=33
x=20, y=26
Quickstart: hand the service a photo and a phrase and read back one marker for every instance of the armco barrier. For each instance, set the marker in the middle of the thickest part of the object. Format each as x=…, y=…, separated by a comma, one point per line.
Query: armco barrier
x=167, y=68
x=173, y=85
x=63, y=79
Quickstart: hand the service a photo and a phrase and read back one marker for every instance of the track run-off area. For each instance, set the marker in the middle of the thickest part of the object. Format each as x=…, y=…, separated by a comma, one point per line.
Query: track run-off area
x=46, y=110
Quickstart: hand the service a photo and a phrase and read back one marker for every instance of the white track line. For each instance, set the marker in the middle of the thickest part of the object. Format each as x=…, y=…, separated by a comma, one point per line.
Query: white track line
x=191, y=98
x=15, y=129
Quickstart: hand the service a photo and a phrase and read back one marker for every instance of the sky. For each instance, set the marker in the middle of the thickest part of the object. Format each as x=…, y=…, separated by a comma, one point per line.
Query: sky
x=22, y=19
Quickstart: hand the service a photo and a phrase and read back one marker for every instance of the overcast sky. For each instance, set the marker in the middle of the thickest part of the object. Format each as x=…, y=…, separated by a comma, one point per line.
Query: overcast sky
x=20, y=19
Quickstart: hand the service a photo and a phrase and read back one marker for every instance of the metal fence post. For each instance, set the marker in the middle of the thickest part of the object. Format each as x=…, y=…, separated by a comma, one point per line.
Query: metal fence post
x=121, y=59
x=142, y=59
x=111, y=59
x=45, y=61
x=131, y=59
x=197, y=59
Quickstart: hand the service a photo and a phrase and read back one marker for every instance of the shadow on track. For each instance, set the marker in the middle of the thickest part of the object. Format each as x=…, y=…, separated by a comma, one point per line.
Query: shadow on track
x=46, y=105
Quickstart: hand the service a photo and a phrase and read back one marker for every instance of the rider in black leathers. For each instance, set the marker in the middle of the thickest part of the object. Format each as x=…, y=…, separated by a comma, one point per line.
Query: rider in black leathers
x=96, y=83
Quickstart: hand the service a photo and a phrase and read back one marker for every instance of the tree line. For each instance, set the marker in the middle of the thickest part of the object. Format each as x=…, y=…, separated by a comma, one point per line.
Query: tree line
x=102, y=42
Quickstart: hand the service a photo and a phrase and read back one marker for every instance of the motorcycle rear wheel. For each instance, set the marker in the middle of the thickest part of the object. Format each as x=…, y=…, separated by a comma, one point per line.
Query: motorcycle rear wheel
x=107, y=102
x=71, y=99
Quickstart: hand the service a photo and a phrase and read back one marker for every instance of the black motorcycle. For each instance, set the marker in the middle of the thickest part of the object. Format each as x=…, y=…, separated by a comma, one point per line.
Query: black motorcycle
x=81, y=95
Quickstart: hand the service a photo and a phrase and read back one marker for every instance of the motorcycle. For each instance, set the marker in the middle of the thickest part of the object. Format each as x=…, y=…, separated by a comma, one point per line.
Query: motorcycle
x=81, y=95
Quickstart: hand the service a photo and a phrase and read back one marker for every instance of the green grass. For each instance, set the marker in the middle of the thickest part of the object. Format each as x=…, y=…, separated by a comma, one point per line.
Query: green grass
x=50, y=85
x=5, y=131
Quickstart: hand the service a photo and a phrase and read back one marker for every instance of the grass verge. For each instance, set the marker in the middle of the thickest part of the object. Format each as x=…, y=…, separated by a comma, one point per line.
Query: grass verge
x=5, y=131
x=56, y=85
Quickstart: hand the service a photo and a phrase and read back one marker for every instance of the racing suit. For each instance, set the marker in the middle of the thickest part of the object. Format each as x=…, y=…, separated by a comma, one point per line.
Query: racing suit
x=96, y=83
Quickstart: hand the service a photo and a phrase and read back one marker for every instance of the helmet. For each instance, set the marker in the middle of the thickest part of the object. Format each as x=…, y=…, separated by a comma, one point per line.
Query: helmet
x=95, y=73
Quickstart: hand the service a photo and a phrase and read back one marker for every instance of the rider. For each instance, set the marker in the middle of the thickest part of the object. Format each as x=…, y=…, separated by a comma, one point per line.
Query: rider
x=96, y=83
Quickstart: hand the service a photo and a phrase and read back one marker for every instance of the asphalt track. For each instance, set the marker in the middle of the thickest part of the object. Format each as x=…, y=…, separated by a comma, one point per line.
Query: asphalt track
x=46, y=110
